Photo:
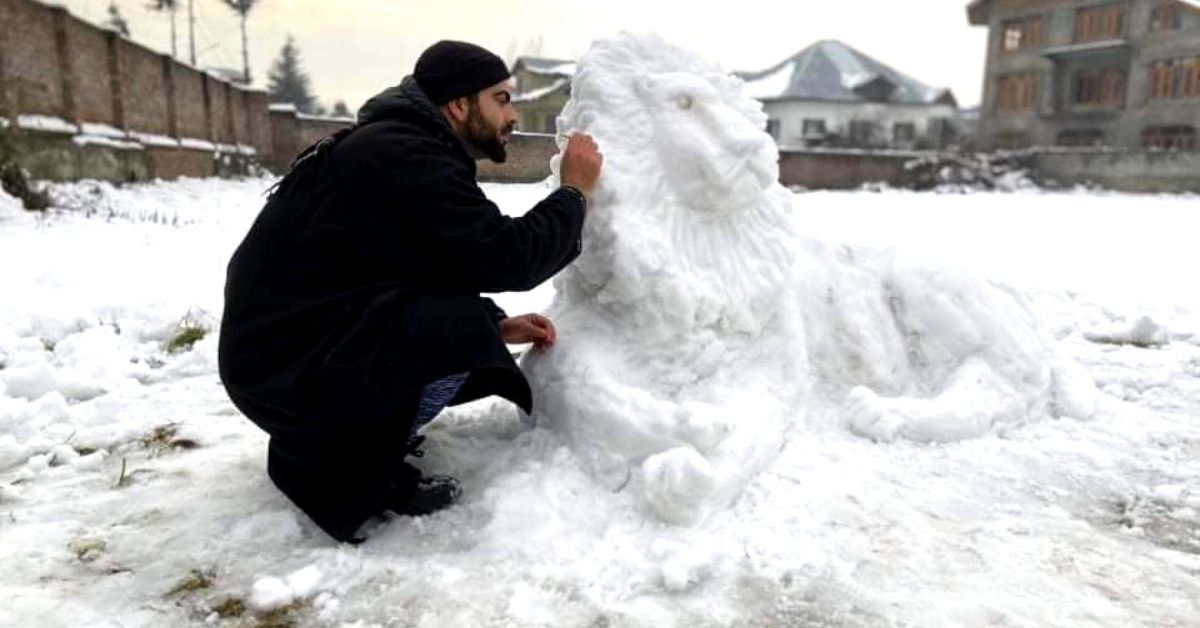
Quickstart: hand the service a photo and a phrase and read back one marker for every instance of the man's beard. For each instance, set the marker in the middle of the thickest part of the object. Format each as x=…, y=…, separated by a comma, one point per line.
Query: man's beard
x=485, y=137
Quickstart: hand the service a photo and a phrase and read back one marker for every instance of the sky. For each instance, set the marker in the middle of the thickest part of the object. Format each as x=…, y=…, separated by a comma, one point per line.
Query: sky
x=353, y=49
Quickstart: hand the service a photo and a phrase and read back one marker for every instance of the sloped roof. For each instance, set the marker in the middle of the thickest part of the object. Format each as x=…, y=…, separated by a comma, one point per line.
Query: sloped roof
x=542, y=65
x=562, y=84
x=832, y=70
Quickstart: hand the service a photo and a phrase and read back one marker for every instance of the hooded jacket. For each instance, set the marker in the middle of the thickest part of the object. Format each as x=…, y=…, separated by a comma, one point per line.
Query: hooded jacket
x=359, y=283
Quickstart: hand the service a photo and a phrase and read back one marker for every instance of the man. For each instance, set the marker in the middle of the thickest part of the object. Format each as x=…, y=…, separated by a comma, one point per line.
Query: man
x=352, y=307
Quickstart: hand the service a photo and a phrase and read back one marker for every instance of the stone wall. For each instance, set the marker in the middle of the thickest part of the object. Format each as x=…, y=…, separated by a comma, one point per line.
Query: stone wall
x=1129, y=171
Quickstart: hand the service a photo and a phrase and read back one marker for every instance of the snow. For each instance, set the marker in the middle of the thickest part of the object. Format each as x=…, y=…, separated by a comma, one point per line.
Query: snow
x=46, y=123
x=151, y=139
x=124, y=468
x=197, y=144
x=92, y=128
x=104, y=140
x=772, y=85
x=535, y=94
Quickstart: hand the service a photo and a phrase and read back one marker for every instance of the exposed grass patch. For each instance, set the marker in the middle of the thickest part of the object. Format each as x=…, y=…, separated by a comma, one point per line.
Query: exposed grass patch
x=165, y=438
x=230, y=607
x=186, y=336
x=195, y=580
x=283, y=617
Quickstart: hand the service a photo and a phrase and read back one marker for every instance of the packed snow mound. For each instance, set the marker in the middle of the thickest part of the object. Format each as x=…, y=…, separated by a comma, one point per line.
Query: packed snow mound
x=699, y=326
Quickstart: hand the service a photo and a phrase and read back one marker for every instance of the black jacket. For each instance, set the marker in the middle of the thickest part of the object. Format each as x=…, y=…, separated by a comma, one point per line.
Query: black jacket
x=359, y=283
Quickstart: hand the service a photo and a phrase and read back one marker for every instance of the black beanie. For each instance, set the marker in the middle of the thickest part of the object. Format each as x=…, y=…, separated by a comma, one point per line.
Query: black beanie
x=450, y=69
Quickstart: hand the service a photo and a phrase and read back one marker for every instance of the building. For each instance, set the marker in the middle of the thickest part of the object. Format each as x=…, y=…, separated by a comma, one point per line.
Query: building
x=543, y=88
x=1090, y=73
x=830, y=94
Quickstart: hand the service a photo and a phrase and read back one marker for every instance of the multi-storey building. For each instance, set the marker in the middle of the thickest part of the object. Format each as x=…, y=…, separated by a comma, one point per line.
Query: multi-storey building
x=1122, y=73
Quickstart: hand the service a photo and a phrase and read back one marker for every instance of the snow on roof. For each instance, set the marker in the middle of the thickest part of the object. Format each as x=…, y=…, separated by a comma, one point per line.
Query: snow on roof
x=537, y=65
x=542, y=92
x=831, y=70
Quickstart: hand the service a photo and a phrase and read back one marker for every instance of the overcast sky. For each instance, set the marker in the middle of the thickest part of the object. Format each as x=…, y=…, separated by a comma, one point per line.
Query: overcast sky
x=354, y=48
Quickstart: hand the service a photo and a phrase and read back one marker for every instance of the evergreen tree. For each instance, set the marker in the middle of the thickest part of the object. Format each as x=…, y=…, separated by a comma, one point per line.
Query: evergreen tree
x=340, y=110
x=242, y=8
x=115, y=20
x=287, y=82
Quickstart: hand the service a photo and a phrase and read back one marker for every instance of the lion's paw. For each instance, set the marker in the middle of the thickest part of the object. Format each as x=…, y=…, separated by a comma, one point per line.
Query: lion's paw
x=702, y=425
x=677, y=482
x=869, y=417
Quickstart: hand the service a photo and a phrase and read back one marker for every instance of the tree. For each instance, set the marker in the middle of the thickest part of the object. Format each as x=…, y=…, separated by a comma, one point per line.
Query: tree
x=115, y=20
x=287, y=82
x=168, y=6
x=340, y=110
x=242, y=8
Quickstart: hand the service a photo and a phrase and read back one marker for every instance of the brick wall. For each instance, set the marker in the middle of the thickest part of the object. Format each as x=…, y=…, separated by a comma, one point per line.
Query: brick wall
x=258, y=122
x=192, y=121
x=145, y=89
x=828, y=169
x=55, y=64
x=91, y=75
x=32, y=80
x=528, y=159
x=218, y=106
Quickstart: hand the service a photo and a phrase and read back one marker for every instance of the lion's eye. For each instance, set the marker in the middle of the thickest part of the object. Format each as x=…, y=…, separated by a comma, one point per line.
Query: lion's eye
x=684, y=102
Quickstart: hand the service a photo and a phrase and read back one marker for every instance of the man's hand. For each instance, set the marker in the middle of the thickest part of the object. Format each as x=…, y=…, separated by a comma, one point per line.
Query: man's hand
x=525, y=328
x=580, y=165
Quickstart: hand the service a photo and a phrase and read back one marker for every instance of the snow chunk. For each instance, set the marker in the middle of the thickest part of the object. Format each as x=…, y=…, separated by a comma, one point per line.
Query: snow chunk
x=30, y=381
x=271, y=593
x=1144, y=332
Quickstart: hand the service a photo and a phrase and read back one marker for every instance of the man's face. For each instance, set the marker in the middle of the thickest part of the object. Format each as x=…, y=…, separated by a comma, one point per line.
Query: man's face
x=491, y=120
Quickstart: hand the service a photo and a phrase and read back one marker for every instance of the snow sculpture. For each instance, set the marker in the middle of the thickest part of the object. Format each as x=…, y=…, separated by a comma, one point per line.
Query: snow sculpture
x=697, y=326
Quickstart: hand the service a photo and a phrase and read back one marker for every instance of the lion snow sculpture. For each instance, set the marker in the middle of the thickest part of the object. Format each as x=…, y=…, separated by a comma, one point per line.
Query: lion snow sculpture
x=698, y=326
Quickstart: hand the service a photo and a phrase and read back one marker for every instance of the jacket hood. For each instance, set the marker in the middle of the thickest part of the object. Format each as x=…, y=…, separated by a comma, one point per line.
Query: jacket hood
x=404, y=101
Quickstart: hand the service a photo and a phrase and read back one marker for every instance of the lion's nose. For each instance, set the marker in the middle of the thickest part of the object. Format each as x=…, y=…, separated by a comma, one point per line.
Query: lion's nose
x=739, y=136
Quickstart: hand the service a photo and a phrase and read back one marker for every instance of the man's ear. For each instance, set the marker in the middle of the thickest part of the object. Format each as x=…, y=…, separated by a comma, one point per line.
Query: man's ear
x=458, y=109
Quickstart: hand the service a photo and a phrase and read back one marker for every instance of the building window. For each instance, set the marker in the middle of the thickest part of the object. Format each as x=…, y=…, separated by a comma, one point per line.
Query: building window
x=1169, y=137
x=862, y=132
x=904, y=132
x=773, y=128
x=1022, y=34
x=1175, y=78
x=1016, y=91
x=551, y=125
x=1011, y=140
x=1165, y=16
x=814, y=128
x=1098, y=23
x=1081, y=137
x=1099, y=87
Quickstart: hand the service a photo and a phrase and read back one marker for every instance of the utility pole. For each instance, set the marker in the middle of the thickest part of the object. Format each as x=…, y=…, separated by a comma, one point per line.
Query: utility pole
x=192, y=30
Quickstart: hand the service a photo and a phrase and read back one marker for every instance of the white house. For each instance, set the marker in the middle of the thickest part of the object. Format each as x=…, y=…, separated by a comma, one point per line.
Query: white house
x=830, y=94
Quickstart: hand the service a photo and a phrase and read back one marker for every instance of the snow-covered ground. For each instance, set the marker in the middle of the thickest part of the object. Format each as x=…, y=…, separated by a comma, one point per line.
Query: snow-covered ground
x=133, y=494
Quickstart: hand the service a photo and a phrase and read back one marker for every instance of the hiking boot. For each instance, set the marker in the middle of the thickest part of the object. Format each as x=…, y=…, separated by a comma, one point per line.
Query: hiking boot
x=431, y=494
x=415, y=494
